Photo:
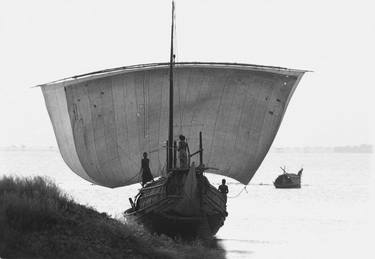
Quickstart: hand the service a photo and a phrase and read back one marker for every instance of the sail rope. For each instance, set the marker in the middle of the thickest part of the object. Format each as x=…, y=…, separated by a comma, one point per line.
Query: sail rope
x=160, y=173
x=238, y=194
x=131, y=179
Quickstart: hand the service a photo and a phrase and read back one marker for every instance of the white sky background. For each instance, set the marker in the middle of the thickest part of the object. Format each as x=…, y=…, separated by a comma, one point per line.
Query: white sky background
x=42, y=41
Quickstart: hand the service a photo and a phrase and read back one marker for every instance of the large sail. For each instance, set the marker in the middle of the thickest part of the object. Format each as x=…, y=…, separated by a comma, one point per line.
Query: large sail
x=104, y=121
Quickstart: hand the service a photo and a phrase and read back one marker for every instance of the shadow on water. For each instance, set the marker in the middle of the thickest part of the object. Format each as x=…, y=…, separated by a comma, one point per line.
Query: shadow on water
x=215, y=244
x=200, y=248
x=229, y=250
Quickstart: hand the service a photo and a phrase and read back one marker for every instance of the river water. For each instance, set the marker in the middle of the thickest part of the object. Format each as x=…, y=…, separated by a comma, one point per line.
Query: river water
x=329, y=217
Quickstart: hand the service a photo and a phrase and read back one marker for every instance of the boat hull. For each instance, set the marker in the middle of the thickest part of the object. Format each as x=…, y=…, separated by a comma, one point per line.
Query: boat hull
x=167, y=207
x=289, y=186
x=288, y=181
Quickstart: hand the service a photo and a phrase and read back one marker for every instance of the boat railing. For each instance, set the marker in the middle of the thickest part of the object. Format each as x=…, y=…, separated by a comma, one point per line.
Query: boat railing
x=160, y=204
x=152, y=187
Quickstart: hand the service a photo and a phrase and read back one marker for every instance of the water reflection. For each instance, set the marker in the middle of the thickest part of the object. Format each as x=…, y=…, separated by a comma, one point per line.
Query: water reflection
x=236, y=248
x=217, y=245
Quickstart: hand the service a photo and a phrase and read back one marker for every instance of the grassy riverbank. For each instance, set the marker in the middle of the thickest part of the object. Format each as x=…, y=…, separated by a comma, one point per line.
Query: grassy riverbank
x=37, y=220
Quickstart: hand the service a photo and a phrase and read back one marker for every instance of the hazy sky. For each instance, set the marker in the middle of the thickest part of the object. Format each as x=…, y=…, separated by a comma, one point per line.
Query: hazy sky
x=41, y=41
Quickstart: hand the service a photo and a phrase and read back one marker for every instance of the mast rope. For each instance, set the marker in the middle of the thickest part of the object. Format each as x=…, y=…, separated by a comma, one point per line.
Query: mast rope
x=238, y=194
x=161, y=172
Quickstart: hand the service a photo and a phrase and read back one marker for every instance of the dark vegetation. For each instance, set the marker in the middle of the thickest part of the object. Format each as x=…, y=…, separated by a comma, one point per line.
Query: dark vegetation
x=37, y=220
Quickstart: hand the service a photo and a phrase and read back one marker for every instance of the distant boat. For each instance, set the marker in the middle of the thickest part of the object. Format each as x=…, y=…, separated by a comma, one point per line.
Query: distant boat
x=288, y=180
x=105, y=120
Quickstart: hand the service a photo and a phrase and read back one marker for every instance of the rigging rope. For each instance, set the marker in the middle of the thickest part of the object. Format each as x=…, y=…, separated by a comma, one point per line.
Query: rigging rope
x=129, y=180
x=161, y=172
x=235, y=196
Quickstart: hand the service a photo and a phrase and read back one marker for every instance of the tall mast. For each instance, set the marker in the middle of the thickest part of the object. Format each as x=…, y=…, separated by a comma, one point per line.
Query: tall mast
x=170, y=131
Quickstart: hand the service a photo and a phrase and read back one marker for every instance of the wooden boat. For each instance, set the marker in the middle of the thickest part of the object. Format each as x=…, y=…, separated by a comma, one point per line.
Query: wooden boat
x=288, y=180
x=183, y=204
x=105, y=120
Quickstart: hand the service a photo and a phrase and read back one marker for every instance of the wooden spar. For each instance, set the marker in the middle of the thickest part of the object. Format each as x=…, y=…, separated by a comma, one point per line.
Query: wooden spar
x=170, y=131
x=175, y=154
x=200, y=149
x=166, y=148
x=105, y=72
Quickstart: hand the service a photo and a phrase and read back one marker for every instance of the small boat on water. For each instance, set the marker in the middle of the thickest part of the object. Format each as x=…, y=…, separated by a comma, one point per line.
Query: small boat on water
x=288, y=180
x=103, y=121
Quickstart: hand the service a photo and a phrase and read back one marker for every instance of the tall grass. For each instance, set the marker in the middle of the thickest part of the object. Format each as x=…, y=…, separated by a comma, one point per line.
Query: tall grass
x=37, y=220
x=30, y=204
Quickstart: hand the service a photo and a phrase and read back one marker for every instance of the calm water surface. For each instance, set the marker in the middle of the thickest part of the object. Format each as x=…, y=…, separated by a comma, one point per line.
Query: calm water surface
x=329, y=217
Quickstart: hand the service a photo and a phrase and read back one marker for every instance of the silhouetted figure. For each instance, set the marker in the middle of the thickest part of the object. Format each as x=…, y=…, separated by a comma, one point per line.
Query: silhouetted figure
x=146, y=172
x=223, y=188
x=183, y=150
x=300, y=172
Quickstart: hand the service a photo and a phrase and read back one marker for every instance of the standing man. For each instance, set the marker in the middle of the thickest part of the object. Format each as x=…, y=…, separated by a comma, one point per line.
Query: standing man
x=223, y=188
x=183, y=150
x=145, y=170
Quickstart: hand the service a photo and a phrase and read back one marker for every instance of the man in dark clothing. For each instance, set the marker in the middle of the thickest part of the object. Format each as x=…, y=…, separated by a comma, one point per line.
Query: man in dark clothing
x=183, y=151
x=145, y=170
x=223, y=188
